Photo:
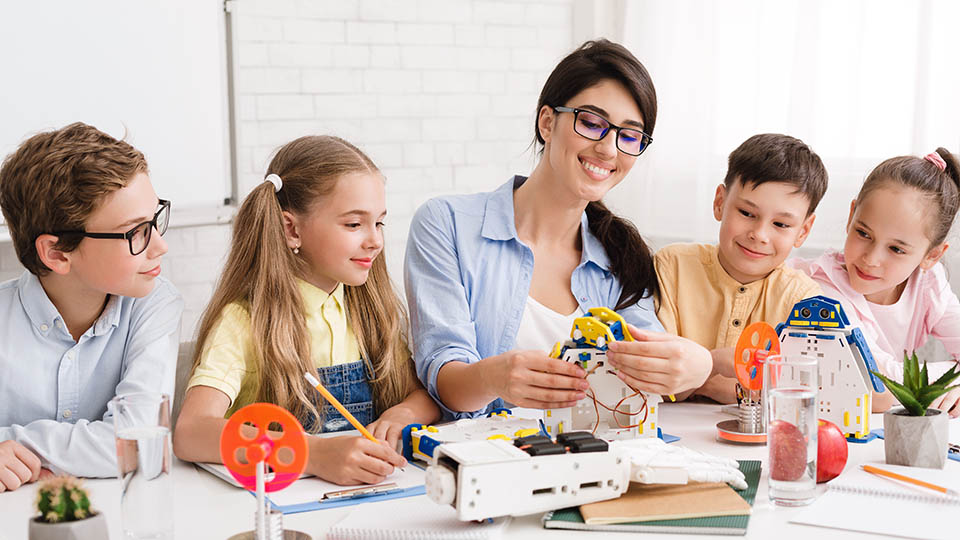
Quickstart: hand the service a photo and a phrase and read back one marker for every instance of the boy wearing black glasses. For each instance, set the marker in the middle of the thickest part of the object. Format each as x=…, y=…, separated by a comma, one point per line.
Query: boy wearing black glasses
x=765, y=206
x=90, y=318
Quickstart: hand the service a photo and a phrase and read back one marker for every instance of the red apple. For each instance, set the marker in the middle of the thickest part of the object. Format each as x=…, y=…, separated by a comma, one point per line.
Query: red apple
x=788, y=451
x=831, y=451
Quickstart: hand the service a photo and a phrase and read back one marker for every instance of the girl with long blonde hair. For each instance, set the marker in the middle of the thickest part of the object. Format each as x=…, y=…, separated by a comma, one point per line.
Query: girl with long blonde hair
x=305, y=289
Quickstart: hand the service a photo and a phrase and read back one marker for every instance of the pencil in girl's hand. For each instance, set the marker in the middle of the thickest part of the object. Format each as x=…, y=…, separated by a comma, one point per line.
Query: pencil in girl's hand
x=338, y=406
x=343, y=410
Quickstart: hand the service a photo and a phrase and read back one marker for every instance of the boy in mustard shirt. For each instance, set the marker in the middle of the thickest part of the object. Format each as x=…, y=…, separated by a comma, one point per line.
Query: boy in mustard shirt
x=765, y=206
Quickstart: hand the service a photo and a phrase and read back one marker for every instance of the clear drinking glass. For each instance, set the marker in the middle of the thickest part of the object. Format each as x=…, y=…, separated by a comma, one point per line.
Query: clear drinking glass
x=141, y=424
x=790, y=397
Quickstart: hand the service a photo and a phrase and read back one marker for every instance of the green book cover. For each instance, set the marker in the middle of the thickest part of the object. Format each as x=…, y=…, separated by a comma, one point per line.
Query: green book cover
x=570, y=518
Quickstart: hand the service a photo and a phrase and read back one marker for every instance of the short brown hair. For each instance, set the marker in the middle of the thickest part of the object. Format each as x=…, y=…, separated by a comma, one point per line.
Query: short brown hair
x=772, y=157
x=56, y=179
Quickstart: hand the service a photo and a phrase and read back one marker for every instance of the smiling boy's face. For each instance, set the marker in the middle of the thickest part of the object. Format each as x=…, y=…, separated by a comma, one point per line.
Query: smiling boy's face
x=106, y=265
x=759, y=226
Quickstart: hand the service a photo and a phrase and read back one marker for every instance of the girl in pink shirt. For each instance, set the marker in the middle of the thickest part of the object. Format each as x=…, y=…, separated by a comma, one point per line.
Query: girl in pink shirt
x=888, y=277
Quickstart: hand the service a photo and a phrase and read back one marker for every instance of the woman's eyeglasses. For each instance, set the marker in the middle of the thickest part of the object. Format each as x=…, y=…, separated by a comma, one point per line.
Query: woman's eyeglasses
x=595, y=127
x=139, y=236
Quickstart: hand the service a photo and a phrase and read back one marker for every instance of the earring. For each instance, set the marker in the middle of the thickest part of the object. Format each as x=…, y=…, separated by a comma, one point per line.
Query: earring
x=296, y=250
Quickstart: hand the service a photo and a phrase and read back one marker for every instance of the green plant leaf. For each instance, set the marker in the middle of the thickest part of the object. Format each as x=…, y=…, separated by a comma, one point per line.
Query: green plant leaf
x=948, y=377
x=903, y=395
x=928, y=395
x=911, y=373
x=924, y=379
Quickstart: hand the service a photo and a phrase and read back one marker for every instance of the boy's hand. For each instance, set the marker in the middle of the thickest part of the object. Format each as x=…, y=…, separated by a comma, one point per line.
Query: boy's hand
x=534, y=379
x=351, y=460
x=949, y=403
x=18, y=466
x=660, y=363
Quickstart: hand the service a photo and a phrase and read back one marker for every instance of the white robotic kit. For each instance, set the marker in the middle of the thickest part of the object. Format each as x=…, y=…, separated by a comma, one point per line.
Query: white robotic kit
x=420, y=441
x=612, y=409
x=819, y=328
x=492, y=478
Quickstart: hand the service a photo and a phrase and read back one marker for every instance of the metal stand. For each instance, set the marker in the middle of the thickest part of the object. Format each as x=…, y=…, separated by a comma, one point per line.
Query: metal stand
x=748, y=427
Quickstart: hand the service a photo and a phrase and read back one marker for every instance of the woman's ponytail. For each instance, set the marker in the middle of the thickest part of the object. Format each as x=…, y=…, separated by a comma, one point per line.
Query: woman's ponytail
x=631, y=260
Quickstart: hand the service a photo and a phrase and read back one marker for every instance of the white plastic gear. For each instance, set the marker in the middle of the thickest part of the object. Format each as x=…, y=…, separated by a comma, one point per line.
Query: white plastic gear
x=441, y=484
x=653, y=461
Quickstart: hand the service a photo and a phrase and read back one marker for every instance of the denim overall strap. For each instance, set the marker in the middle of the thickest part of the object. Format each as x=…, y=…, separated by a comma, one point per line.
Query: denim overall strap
x=350, y=385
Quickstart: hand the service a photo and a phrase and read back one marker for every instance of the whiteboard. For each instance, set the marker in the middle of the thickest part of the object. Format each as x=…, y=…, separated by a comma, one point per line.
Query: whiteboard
x=153, y=72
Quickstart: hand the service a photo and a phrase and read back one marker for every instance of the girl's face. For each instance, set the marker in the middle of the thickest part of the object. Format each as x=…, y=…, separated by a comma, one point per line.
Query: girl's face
x=887, y=241
x=343, y=233
x=587, y=169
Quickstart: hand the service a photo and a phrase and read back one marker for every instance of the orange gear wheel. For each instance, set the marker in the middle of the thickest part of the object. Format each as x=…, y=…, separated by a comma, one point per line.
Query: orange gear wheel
x=262, y=447
x=756, y=342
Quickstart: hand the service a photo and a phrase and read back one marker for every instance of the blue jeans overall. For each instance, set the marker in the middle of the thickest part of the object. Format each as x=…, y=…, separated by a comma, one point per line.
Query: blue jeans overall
x=350, y=384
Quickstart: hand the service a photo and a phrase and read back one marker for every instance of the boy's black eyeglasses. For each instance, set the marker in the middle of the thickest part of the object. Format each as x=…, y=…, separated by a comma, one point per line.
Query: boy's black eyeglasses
x=592, y=126
x=139, y=236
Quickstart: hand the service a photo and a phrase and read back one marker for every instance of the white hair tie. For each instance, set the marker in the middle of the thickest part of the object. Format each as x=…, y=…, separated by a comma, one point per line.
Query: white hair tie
x=275, y=180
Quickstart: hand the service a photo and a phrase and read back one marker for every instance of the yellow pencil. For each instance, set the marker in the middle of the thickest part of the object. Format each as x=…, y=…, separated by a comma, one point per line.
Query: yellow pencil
x=338, y=406
x=902, y=478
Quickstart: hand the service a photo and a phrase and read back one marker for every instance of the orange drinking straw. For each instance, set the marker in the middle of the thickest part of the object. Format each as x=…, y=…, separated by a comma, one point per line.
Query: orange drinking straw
x=890, y=474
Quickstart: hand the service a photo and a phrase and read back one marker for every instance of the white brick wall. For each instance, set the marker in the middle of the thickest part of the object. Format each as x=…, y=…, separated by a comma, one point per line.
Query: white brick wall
x=440, y=93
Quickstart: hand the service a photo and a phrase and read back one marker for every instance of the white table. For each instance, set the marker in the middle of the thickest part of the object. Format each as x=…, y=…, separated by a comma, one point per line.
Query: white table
x=209, y=509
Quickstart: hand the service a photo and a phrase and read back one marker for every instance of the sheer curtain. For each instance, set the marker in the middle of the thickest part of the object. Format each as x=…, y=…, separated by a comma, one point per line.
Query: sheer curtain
x=859, y=81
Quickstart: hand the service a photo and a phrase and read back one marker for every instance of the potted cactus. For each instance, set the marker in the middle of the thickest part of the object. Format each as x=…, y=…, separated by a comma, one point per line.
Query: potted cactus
x=64, y=513
x=914, y=434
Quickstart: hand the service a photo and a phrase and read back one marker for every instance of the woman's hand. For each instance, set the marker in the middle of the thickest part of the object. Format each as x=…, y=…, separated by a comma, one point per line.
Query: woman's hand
x=352, y=460
x=533, y=379
x=660, y=363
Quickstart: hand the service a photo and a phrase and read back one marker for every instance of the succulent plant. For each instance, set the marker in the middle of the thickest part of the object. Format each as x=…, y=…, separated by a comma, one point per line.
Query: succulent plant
x=62, y=498
x=917, y=393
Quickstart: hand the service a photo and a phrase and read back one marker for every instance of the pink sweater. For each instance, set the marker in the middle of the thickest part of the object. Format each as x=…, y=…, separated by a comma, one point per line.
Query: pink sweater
x=927, y=307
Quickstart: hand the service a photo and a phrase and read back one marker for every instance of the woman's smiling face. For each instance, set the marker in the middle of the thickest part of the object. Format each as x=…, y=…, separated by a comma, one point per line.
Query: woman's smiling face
x=584, y=168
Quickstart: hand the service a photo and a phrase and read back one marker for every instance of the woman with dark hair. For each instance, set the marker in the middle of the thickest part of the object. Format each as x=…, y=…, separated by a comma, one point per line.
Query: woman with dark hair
x=493, y=280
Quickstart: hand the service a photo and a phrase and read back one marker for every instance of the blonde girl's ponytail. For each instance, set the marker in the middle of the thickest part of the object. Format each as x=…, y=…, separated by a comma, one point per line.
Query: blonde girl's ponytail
x=260, y=274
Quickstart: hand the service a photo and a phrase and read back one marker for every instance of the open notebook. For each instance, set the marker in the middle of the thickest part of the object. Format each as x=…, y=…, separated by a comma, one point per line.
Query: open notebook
x=860, y=501
x=413, y=519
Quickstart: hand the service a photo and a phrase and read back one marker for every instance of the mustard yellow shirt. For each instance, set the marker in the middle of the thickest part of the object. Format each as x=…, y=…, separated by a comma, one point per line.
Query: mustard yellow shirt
x=700, y=301
x=225, y=362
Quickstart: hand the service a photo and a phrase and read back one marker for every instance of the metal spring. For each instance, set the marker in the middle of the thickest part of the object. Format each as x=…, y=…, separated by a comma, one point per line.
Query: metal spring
x=750, y=417
x=273, y=528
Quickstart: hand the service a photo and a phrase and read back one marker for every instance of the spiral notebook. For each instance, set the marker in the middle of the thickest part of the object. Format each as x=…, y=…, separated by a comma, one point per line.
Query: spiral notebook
x=860, y=501
x=416, y=518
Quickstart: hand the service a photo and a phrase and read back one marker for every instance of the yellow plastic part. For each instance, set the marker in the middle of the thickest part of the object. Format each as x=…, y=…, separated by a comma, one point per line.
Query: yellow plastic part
x=608, y=316
x=640, y=429
x=549, y=413
x=846, y=418
x=557, y=347
x=526, y=432
x=432, y=429
x=560, y=427
x=592, y=329
x=498, y=437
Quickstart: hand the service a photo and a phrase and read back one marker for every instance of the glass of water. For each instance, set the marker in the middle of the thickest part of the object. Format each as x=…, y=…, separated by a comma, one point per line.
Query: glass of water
x=141, y=424
x=790, y=414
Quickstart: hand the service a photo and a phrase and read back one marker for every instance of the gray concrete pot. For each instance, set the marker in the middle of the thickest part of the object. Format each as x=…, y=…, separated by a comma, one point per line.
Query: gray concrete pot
x=92, y=528
x=915, y=441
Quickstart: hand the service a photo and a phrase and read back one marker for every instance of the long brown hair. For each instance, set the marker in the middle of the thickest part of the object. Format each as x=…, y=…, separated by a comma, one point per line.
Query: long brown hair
x=631, y=260
x=941, y=188
x=261, y=271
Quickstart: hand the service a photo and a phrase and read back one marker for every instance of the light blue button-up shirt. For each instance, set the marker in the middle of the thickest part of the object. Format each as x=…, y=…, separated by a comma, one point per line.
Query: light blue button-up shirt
x=54, y=390
x=467, y=277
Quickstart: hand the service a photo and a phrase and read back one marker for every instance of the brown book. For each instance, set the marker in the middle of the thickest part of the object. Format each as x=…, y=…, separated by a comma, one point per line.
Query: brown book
x=647, y=502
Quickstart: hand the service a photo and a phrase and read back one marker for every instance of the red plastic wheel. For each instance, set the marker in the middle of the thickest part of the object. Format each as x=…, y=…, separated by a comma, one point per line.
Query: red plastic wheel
x=262, y=447
x=757, y=341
